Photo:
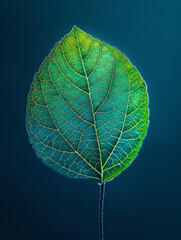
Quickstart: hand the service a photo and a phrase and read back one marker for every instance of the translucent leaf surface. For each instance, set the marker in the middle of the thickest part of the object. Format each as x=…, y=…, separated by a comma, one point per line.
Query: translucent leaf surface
x=87, y=111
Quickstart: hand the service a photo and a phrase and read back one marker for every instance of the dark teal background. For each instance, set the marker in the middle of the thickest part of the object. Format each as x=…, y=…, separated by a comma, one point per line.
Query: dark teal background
x=144, y=202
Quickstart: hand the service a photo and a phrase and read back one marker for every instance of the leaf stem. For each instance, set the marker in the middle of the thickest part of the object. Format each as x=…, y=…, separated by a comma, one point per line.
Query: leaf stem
x=101, y=211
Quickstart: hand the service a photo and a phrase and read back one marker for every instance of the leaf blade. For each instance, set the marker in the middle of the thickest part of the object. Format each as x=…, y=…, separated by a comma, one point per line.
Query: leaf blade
x=94, y=102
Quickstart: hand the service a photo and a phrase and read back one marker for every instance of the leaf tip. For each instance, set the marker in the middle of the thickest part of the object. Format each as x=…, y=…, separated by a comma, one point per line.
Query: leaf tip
x=75, y=28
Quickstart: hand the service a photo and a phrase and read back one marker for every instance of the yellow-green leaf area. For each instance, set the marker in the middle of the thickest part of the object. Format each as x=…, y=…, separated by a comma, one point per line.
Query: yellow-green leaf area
x=87, y=111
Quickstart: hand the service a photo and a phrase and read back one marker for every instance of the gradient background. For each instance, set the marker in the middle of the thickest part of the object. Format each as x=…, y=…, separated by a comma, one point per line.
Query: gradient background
x=144, y=202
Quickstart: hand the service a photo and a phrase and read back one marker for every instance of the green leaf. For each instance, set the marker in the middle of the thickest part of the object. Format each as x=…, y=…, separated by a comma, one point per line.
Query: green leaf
x=87, y=111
